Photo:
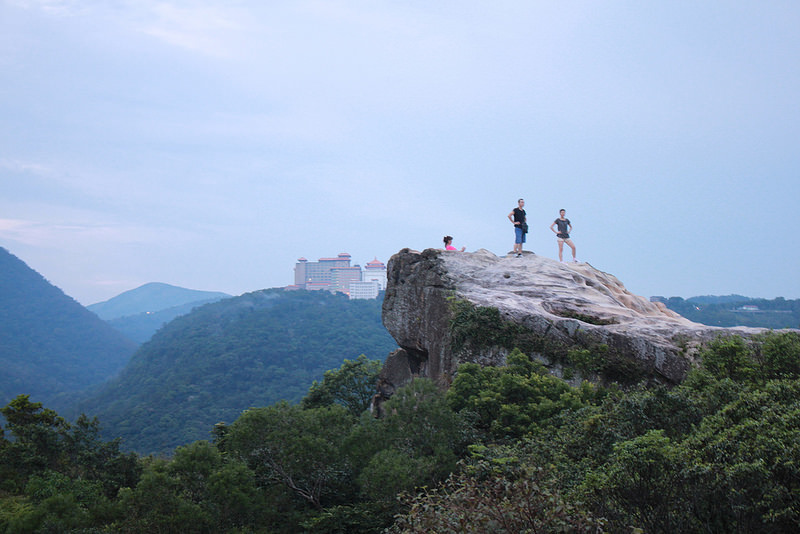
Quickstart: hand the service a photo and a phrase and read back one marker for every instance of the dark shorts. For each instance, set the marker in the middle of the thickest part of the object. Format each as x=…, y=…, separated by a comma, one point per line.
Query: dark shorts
x=563, y=236
x=519, y=235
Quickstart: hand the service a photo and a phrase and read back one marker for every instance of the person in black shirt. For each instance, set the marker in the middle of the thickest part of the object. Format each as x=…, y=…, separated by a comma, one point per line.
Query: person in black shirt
x=564, y=228
x=517, y=218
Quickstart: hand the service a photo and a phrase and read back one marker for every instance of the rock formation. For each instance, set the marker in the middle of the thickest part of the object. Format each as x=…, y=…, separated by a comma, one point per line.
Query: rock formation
x=445, y=308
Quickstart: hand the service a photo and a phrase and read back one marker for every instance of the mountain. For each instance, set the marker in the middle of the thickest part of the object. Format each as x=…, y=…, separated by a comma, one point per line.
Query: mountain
x=140, y=312
x=222, y=358
x=50, y=345
x=736, y=310
x=715, y=299
x=152, y=297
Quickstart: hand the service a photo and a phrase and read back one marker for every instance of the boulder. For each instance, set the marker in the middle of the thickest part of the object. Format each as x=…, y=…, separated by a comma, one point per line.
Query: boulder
x=445, y=308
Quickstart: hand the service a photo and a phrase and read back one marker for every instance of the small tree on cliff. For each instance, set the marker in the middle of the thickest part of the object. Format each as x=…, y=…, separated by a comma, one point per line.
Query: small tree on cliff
x=352, y=386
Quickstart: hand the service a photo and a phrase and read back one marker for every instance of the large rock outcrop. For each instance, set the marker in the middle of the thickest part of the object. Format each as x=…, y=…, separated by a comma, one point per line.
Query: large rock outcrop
x=445, y=308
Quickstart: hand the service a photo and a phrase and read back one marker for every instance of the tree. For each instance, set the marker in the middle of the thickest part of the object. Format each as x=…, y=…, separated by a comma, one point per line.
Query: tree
x=299, y=449
x=192, y=466
x=746, y=462
x=38, y=434
x=510, y=401
x=155, y=505
x=352, y=386
x=89, y=456
x=729, y=358
x=233, y=498
x=494, y=496
x=64, y=477
x=417, y=443
x=58, y=503
x=780, y=355
x=641, y=485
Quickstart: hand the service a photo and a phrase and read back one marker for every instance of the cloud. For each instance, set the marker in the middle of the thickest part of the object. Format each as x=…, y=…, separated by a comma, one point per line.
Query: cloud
x=59, y=8
x=64, y=235
x=26, y=167
x=205, y=29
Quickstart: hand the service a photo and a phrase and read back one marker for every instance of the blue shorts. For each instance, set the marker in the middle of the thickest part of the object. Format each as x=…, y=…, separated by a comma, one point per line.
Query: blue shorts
x=519, y=235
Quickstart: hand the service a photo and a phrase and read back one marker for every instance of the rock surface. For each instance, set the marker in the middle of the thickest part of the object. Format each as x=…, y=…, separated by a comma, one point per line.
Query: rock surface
x=550, y=308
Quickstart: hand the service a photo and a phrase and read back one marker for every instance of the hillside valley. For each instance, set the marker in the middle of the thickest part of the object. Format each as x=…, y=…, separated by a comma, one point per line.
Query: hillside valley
x=222, y=358
x=140, y=312
x=51, y=347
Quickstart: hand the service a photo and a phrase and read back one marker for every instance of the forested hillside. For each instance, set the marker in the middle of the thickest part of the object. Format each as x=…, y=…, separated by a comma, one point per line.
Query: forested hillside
x=210, y=365
x=735, y=310
x=142, y=326
x=140, y=312
x=505, y=450
x=50, y=345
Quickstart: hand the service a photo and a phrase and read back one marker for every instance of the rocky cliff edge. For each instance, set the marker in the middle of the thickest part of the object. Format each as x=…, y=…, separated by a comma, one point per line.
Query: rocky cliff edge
x=445, y=308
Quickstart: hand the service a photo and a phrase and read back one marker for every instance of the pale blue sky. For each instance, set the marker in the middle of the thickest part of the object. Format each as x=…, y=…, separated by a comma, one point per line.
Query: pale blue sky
x=211, y=144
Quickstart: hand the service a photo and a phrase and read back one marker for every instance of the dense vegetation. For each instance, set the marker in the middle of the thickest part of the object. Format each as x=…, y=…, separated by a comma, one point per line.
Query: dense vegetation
x=727, y=311
x=142, y=326
x=50, y=345
x=212, y=364
x=504, y=450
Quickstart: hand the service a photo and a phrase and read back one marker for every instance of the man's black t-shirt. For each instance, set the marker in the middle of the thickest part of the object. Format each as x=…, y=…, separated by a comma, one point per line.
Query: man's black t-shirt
x=519, y=215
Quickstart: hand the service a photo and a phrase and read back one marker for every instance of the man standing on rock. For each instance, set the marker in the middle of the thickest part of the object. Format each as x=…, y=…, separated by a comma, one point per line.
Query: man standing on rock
x=517, y=217
x=564, y=228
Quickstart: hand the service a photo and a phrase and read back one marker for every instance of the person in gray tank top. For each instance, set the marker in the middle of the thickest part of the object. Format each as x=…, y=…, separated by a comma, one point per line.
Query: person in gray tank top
x=564, y=228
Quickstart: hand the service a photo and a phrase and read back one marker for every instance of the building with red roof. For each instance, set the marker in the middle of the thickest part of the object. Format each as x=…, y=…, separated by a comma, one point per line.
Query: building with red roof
x=337, y=275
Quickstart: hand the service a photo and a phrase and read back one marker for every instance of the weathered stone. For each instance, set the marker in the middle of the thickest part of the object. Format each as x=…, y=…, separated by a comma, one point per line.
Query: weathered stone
x=552, y=307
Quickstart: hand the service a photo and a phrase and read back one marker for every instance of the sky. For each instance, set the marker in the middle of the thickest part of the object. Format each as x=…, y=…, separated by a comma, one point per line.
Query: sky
x=209, y=145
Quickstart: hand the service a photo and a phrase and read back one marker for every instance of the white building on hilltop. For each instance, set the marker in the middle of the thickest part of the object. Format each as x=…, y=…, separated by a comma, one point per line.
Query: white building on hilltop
x=375, y=271
x=363, y=290
x=373, y=280
x=338, y=276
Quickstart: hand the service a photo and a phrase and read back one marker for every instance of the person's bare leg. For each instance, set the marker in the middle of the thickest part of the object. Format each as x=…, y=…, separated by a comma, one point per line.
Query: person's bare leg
x=572, y=246
x=560, y=250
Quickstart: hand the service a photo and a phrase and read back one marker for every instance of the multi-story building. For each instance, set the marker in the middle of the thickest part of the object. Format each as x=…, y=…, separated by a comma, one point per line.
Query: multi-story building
x=375, y=271
x=342, y=277
x=337, y=275
x=364, y=290
x=318, y=274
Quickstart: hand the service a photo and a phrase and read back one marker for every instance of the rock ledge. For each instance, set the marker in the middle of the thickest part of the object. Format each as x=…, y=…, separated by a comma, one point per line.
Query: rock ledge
x=552, y=307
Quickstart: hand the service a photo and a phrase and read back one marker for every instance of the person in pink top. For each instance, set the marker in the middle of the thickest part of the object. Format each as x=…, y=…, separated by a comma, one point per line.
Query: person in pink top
x=448, y=243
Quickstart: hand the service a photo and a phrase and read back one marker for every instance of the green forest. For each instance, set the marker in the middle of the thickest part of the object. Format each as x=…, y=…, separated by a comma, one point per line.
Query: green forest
x=50, y=344
x=504, y=450
x=223, y=358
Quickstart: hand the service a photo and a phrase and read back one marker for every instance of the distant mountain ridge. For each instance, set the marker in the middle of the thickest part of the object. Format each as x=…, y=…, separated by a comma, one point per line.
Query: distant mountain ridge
x=718, y=299
x=50, y=345
x=152, y=297
x=730, y=310
x=140, y=312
